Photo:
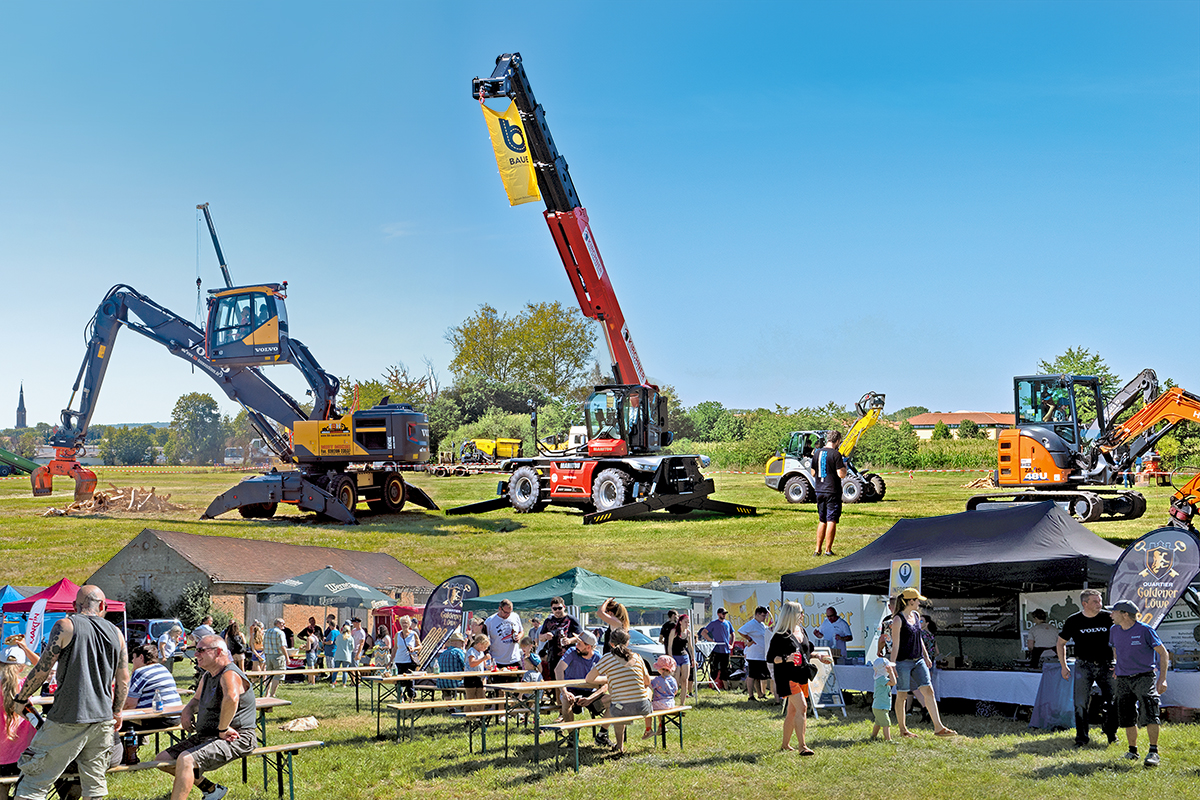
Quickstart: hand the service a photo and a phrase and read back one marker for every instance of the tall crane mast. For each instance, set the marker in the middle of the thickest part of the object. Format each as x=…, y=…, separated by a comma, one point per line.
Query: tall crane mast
x=566, y=217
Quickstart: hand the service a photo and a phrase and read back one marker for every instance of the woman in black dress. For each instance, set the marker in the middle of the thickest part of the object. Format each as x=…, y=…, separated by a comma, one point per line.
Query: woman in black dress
x=790, y=651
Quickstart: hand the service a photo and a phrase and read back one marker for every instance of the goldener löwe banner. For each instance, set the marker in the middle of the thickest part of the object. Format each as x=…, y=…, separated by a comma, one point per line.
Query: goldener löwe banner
x=512, y=154
x=1154, y=571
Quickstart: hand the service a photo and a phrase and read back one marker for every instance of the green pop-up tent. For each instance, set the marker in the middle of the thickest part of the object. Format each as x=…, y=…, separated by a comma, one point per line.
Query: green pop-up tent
x=587, y=590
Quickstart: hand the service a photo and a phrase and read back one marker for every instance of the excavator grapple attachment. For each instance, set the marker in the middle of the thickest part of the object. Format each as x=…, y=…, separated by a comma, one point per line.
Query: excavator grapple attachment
x=42, y=478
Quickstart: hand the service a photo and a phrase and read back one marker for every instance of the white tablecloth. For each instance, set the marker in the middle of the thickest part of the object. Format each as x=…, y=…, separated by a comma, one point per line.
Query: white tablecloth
x=998, y=687
x=1183, y=688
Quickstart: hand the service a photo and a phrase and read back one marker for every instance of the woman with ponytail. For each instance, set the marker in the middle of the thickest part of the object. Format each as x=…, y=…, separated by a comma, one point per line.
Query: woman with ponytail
x=627, y=679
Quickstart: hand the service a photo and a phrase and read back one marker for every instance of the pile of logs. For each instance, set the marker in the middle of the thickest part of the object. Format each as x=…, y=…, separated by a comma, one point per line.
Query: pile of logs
x=129, y=499
x=985, y=482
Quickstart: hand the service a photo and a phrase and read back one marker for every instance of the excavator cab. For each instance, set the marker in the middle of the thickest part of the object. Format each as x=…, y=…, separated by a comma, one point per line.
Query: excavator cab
x=247, y=325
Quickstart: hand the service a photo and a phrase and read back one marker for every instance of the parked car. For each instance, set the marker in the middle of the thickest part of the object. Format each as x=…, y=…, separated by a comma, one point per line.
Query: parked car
x=643, y=645
x=148, y=631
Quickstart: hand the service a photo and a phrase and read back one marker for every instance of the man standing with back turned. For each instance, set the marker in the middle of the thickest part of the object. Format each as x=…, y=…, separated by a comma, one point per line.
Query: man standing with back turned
x=828, y=470
x=1093, y=663
x=93, y=681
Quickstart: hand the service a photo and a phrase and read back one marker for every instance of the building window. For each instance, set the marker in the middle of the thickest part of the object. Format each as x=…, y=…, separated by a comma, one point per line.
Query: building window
x=144, y=582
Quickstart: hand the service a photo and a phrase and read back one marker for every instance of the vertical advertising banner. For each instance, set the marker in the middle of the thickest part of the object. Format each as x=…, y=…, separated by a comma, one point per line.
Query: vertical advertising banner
x=1154, y=571
x=444, y=615
x=512, y=154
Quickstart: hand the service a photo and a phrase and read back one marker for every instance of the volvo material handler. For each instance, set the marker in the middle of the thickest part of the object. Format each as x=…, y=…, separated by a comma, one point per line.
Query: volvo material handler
x=338, y=457
x=790, y=471
x=619, y=471
x=1068, y=447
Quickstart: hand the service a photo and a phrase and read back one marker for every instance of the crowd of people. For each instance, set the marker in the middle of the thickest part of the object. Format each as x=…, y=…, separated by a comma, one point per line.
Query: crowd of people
x=98, y=679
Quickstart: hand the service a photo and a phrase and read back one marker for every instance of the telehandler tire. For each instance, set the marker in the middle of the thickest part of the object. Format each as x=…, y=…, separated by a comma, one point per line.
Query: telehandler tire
x=610, y=489
x=525, y=491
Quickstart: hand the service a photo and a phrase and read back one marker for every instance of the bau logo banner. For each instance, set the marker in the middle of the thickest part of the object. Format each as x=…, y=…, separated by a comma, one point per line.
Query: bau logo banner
x=512, y=154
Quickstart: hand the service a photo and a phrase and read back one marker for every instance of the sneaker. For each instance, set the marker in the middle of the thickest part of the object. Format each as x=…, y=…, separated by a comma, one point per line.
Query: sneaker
x=1151, y=759
x=603, y=741
x=1112, y=738
x=1131, y=756
x=217, y=793
x=1082, y=742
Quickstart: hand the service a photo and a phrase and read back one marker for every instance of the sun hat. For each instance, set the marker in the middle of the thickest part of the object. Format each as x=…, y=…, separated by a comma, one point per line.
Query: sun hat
x=664, y=662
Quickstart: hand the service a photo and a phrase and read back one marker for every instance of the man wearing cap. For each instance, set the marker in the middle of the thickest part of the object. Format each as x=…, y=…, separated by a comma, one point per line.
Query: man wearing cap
x=575, y=664
x=93, y=682
x=1093, y=663
x=1135, y=646
x=719, y=631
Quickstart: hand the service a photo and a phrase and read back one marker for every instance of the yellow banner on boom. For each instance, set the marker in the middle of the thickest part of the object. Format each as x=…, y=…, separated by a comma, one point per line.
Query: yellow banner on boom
x=512, y=154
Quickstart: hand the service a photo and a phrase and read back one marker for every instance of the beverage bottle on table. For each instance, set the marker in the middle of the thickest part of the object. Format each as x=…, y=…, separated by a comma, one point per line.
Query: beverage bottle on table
x=158, y=701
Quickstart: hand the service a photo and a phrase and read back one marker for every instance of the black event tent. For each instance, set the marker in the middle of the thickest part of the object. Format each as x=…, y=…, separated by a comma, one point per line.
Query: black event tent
x=1029, y=547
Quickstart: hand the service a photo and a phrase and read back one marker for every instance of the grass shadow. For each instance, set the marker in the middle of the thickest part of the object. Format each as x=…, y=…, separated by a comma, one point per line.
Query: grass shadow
x=1081, y=769
x=1035, y=747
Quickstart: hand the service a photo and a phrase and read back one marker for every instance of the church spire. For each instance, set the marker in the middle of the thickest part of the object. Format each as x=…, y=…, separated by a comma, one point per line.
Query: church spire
x=21, y=408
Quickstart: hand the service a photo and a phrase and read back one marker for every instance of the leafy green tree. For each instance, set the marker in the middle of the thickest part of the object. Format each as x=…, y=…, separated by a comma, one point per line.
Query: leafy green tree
x=397, y=384
x=704, y=417
x=547, y=345
x=906, y=412
x=142, y=604
x=197, y=430
x=1081, y=361
x=194, y=604
x=885, y=446
x=969, y=429
x=127, y=446
x=729, y=427
x=485, y=344
x=941, y=431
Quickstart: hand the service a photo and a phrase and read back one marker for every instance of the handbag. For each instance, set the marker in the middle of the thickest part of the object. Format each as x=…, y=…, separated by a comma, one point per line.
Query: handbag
x=809, y=670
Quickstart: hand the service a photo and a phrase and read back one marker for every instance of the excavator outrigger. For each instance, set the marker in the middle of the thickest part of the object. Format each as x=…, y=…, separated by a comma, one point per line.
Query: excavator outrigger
x=1054, y=453
x=339, y=456
x=618, y=472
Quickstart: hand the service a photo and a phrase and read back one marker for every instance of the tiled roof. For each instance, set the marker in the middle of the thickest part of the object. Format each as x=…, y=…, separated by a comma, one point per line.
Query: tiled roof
x=985, y=418
x=258, y=561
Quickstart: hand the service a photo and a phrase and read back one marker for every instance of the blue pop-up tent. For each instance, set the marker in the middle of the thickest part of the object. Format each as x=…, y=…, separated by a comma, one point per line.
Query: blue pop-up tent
x=8, y=594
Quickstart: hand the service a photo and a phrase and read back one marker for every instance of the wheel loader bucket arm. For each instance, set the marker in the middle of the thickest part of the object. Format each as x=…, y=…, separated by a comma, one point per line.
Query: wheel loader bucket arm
x=870, y=409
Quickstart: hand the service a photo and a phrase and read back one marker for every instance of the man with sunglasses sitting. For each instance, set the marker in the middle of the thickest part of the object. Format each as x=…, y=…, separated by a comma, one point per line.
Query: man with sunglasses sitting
x=222, y=715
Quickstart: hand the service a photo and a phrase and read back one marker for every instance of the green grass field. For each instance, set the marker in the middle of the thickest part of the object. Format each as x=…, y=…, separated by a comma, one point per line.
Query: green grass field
x=731, y=746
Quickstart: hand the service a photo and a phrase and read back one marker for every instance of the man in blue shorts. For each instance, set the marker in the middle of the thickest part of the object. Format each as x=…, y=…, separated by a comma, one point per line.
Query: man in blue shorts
x=828, y=470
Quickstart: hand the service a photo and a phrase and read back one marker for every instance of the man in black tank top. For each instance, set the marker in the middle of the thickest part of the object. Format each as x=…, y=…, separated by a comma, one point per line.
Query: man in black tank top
x=93, y=682
x=222, y=715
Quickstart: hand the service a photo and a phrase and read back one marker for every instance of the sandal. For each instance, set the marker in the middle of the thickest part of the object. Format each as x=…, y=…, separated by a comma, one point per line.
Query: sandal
x=807, y=752
x=945, y=732
x=909, y=735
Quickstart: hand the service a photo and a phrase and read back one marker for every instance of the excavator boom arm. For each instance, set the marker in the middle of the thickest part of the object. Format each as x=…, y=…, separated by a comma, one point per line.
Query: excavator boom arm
x=123, y=306
x=566, y=217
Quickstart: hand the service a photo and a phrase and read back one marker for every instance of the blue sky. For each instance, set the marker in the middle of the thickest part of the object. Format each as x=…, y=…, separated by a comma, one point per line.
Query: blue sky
x=797, y=202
